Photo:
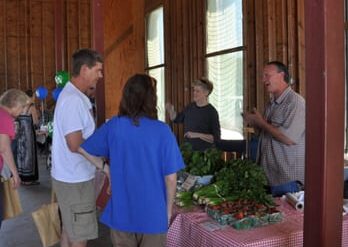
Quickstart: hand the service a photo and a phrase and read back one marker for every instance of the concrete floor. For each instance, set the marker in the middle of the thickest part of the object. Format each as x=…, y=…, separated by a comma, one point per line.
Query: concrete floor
x=21, y=231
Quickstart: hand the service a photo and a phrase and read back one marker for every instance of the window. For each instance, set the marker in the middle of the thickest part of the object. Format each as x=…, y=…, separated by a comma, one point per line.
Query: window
x=224, y=60
x=155, y=55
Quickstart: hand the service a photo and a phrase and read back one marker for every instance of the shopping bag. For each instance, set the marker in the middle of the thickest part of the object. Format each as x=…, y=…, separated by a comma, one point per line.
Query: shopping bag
x=5, y=172
x=12, y=204
x=47, y=222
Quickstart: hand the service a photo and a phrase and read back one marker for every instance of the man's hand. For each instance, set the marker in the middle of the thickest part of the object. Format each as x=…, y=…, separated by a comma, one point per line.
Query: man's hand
x=253, y=118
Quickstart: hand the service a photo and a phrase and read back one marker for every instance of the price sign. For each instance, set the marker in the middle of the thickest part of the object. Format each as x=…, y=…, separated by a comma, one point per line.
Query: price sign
x=189, y=182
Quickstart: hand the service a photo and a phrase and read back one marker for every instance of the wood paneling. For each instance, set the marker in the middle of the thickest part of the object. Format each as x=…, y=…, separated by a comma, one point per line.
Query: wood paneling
x=77, y=27
x=48, y=49
x=185, y=49
x=124, y=42
x=98, y=44
x=274, y=31
x=27, y=40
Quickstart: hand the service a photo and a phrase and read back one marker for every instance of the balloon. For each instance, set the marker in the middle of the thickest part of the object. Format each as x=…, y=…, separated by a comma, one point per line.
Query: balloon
x=41, y=92
x=61, y=78
x=50, y=128
x=56, y=92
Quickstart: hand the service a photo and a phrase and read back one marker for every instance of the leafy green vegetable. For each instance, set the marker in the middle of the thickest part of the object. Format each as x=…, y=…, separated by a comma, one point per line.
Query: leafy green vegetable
x=245, y=180
x=201, y=163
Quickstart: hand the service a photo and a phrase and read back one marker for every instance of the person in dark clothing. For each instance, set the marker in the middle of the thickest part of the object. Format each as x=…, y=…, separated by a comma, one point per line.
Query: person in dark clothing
x=24, y=146
x=200, y=119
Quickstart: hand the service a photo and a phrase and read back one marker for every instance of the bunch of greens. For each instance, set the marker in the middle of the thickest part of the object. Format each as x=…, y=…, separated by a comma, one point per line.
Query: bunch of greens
x=201, y=163
x=244, y=180
x=184, y=199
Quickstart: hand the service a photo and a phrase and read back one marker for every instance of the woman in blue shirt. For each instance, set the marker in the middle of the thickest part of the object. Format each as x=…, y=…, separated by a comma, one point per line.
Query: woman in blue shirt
x=144, y=158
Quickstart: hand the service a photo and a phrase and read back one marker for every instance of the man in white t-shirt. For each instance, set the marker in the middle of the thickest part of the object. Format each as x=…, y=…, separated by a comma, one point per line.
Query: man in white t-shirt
x=72, y=174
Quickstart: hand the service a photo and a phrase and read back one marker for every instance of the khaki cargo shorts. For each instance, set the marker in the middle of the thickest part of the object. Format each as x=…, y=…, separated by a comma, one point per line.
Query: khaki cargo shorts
x=77, y=205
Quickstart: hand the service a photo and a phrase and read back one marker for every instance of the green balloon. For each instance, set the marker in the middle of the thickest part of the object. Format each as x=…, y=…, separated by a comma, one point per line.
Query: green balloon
x=62, y=78
x=50, y=128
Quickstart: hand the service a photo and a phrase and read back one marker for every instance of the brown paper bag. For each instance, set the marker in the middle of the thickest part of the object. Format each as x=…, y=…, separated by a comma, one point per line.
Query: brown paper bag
x=47, y=221
x=12, y=204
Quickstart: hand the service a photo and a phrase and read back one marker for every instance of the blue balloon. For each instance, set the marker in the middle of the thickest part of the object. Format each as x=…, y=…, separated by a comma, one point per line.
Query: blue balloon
x=56, y=92
x=41, y=92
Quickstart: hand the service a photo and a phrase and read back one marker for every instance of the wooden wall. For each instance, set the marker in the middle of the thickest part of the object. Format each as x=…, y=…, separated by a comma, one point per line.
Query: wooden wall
x=185, y=45
x=28, y=40
x=273, y=30
x=77, y=24
x=124, y=42
x=27, y=43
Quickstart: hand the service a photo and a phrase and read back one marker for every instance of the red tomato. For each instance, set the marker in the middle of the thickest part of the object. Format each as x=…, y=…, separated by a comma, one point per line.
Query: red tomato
x=238, y=215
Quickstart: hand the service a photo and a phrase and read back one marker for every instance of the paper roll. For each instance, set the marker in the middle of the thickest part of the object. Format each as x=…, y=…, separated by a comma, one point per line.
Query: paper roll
x=293, y=201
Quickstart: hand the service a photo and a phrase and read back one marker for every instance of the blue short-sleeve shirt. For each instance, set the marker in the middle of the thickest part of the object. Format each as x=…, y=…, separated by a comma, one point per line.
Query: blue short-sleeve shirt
x=140, y=158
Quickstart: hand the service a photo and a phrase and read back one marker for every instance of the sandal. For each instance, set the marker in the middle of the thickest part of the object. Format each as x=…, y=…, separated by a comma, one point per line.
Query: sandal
x=31, y=183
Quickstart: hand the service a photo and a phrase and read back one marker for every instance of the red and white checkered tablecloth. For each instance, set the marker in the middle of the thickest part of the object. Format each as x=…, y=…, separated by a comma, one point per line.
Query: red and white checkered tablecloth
x=187, y=231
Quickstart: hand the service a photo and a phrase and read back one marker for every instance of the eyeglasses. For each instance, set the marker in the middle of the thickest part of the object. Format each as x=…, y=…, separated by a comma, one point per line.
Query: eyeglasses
x=201, y=81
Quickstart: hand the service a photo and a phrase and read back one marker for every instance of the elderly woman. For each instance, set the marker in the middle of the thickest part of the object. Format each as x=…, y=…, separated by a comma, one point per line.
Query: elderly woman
x=200, y=119
x=12, y=103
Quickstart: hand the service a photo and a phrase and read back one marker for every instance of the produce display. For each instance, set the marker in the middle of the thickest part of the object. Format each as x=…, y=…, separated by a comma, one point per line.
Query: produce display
x=244, y=214
x=237, y=194
x=201, y=163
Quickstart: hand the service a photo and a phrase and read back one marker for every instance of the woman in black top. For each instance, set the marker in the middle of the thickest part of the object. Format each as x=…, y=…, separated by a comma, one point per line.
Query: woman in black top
x=200, y=119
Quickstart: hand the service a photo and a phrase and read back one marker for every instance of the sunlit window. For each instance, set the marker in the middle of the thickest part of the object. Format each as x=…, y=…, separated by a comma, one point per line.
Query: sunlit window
x=224, y=56
x=155, y=55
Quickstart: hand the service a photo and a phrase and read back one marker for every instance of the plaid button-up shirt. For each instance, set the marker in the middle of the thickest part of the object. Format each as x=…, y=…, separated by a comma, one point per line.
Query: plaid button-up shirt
x=283, y=163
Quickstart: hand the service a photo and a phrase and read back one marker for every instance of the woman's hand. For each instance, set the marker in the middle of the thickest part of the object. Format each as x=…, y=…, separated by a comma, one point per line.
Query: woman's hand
x=106, y=171
x=171, y=111
x=191, y=134
x=15, y=181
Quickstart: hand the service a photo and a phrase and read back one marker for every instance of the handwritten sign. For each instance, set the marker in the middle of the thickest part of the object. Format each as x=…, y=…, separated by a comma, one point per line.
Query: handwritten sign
x=189, y=182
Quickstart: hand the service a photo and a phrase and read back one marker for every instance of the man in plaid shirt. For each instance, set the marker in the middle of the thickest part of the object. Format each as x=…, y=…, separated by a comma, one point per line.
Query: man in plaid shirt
x=281, y=148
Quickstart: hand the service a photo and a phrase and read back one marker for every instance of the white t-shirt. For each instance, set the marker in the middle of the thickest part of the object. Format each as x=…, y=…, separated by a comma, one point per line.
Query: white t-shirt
x=72, y=113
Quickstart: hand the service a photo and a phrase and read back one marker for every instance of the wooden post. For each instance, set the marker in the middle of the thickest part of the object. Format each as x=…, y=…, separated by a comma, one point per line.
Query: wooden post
x=324, y=122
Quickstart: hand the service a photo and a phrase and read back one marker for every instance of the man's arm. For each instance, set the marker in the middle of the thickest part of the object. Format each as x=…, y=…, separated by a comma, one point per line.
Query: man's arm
x=74, y=140
x=96, y=161
x=275, y=132
x=256, y=120
x=171, y=190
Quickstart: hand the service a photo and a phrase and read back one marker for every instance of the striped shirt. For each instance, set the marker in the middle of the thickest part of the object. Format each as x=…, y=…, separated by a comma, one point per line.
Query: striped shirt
x=283, y=163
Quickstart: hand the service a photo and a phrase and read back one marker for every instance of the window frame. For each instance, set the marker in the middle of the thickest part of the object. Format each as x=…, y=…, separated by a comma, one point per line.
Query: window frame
x=241, y=48
x=148, y=68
